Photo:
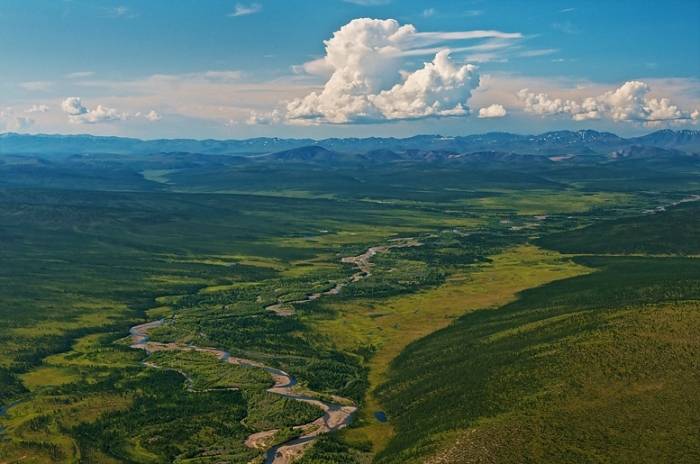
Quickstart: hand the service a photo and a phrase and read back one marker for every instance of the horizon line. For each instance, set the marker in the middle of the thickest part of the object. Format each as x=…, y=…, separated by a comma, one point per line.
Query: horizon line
x=3, y=134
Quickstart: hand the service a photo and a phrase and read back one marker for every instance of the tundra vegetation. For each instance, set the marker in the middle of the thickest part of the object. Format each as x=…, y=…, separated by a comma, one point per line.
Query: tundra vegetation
x=512, y=312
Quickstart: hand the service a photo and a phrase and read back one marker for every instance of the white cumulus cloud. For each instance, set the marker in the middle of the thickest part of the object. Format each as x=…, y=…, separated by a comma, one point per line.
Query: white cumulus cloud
x=263, y=118
x=73, y=106
x=242, y=10
x=78, y=114
x=367, y=83
x=543, y=105
x=627, y=103
x=37, y=109
x=153, y=116
x=493, y=111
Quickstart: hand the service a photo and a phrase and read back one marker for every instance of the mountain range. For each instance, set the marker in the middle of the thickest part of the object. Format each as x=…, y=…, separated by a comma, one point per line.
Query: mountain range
x=559, y=143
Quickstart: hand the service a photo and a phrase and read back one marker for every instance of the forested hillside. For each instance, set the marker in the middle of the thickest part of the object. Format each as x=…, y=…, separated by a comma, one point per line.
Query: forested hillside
x=596, y=368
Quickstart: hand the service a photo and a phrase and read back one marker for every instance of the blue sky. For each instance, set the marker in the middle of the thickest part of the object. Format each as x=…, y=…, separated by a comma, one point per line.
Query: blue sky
x=288, y=68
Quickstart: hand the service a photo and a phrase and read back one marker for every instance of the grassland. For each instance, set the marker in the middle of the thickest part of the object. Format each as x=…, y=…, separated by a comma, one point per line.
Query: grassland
x=94, y=262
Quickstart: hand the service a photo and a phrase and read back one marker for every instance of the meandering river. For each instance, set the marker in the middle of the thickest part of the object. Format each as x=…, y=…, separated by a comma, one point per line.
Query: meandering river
x=336, y=415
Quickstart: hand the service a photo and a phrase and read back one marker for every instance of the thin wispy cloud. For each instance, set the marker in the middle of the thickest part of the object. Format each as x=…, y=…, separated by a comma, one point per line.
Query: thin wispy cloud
x=429, y=12
x=496, y=43
x=243, y=10
x=80, y=75
x=36, y=85
x=532, y=53
x=224, y=76
x=494, y=47
x=463, y=35
x=368, y=2
x=567, y=27
x=120, y=12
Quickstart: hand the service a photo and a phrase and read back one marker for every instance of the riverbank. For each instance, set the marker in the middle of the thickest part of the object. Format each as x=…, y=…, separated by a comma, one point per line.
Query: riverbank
x=336, y=416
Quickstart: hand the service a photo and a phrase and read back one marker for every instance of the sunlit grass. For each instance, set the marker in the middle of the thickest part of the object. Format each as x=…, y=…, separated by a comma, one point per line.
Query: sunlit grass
x=93, y=315
x=416, y=315
x=550, y=202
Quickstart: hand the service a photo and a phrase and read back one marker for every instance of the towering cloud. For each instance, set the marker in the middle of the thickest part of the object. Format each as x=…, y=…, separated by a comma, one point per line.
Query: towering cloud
x=78, y=114
x=628, y=103
x=367, y=81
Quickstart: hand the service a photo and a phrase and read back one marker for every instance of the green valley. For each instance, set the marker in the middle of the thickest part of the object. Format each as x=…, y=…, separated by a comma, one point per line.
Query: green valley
x=281, y=307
